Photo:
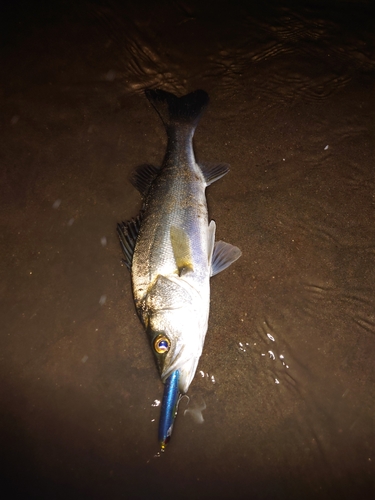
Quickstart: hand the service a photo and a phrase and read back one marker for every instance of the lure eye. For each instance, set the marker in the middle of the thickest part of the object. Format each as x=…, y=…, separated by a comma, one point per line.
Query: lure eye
x=162, y=344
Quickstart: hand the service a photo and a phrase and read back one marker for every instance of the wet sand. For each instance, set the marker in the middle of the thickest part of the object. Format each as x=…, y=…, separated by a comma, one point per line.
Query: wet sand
x=286, y=376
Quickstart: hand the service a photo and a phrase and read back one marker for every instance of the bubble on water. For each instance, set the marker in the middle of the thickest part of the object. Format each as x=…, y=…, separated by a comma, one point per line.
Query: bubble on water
x=85, y=358
x=272, y=356
x=70, y=222
x=270, y=337
x=277, y=381
x=325, y=149
x=156, y=403
x=56, y=204
x=14, y=119
x=102, y=300
x=241, y=348
x=103, y=241
x=201, y=373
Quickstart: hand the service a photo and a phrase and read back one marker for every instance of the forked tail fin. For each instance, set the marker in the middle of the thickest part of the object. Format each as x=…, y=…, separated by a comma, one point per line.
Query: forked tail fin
x=173, y=110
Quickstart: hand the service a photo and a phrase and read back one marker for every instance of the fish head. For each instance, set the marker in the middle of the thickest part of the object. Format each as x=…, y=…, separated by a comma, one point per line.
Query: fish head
x=176, y=326
x=176, y=345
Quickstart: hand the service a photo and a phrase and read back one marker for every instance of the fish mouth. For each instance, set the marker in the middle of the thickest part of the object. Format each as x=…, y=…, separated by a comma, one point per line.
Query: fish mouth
x=186, y=368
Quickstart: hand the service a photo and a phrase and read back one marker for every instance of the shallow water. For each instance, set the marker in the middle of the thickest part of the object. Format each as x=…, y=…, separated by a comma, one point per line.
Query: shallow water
x=282, y=404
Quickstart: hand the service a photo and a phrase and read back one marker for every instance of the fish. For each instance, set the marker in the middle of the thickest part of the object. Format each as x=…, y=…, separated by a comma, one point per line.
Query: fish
x=171, y=252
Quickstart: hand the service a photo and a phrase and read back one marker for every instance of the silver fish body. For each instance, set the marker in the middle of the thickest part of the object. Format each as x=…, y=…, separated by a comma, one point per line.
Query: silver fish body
x=171, y=247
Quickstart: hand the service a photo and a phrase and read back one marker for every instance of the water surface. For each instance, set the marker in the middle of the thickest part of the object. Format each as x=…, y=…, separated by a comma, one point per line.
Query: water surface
x=283, y=401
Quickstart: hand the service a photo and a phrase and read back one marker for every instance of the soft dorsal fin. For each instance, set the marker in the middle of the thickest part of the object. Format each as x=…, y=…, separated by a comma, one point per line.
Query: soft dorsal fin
x=223, y=256
x=128, y=233
x=143, y=177
x=212, y=173
x=181, y=250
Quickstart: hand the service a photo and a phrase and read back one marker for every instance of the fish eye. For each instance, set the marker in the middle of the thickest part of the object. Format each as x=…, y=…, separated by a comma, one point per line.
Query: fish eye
x=162, y=344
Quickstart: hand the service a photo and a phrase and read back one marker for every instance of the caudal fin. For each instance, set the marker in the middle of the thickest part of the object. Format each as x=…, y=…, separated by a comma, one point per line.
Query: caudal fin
x=175, y=110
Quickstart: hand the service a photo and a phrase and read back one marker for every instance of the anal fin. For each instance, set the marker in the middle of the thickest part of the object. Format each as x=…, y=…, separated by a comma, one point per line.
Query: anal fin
x=212, y=173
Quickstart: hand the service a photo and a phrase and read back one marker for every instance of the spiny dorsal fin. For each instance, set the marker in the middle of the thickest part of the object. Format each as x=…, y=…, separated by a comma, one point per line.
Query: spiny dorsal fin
x=224, y=255
x=128, y=233
x=181, y=250
x=212, y=173
x=143, y=177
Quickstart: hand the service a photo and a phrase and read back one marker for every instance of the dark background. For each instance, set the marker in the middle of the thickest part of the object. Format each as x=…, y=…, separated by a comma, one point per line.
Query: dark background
x=285, y=384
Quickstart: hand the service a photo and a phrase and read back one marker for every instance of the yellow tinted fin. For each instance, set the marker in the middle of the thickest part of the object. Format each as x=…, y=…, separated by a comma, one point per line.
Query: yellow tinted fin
x=181, y=250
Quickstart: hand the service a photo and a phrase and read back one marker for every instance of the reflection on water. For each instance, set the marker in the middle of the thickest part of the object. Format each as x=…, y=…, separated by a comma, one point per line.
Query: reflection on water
x=195, y=409
x=283, y=400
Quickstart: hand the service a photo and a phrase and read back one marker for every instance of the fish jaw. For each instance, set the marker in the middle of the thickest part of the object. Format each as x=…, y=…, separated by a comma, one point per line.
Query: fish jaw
x=186, y=368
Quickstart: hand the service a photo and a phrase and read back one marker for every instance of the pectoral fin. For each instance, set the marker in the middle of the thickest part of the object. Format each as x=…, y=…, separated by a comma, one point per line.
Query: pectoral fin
x=223, y=256
x=181, y=250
